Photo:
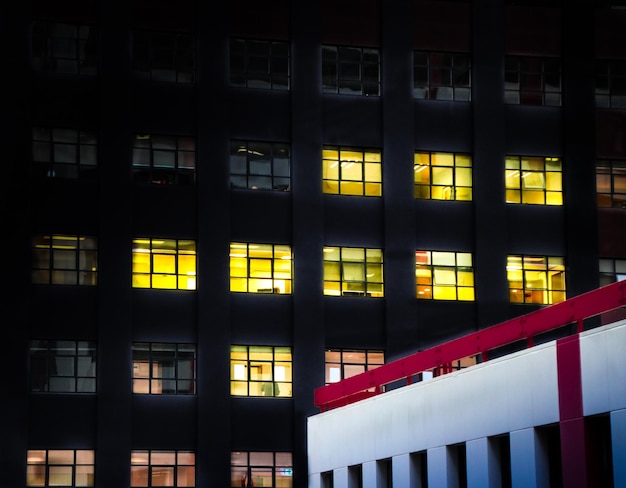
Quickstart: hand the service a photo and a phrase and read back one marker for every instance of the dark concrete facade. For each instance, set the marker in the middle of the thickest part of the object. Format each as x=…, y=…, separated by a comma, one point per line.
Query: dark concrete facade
x=212, y=423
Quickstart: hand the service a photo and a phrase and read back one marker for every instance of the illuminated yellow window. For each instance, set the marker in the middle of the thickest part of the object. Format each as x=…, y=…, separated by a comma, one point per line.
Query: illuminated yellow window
x=353, y=271
x=260, y=371
x=261, y=468
x=611, y=183
x=60, y=467
x=344, y=363
x=536, y=279
x=444, y=275
x=442, y=176
x=164, y=263
x=348, y=171
x=534, y=180
x=162, y=468
x=64, y=260
x=260, y=268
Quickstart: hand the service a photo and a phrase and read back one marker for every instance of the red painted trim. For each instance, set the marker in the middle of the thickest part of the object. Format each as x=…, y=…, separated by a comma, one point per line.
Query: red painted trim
x=574, y=468
x=572, y=423
x=569, y=378
x=571, y=311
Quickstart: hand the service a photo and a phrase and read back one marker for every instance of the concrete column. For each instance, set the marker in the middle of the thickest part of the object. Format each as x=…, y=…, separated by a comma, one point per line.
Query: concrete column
x=340, y=478
x=442, y=472
x=375, y=474
x=529, y=460
x=483, y=464
x=618, y=440
x=406, y=470
x=315, y=481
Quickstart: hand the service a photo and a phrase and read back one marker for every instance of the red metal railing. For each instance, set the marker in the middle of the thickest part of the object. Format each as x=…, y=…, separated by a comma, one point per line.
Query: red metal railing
x=441, y=357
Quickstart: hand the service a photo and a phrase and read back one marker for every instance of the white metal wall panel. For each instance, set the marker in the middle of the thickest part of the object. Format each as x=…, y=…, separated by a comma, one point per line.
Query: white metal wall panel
x=510, y=393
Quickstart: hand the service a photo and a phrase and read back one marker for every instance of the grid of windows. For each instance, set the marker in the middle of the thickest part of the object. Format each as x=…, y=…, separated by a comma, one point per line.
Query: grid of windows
x=532, y=81
x=442, y=176
x=351, y=70
x=612, y=270
x=64, y=48
x=534, y=180
x=442, y=76
x=60, y=467
x=164, y=368
x=352, y=171
x=267, y=469
x=610, y=82
x=260, y=371
x=64, y=260
x=353, y=271
x=150, y=468
x=259, y=64
x=164, y=263
x=344, y=363
x=62, y=366
x=536, y=279
x=443, y=275
x=260, y=268
x=164, y=160
x=260, y=165
x=64, y=153
x=611, y=183
x=164, y=56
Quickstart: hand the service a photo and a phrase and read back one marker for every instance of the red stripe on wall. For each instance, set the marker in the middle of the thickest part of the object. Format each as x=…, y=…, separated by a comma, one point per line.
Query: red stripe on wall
x=569, y=377
x=572, y=424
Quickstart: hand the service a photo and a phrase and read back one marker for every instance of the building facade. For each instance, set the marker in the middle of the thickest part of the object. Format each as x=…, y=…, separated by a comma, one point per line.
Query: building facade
x=210, y=208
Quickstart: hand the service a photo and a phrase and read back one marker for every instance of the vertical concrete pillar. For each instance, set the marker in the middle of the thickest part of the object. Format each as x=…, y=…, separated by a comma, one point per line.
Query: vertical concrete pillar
x=340, y=478
x=529, y=460
x=442, y=471
x=483, y=464
x=406, y=471
x=618, y=441
x=315, y=481
x=375, y=474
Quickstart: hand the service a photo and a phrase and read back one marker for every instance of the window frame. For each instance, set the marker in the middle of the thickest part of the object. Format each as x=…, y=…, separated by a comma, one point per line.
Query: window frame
x=337, y=284
x=611, y=270
x=82, y=464
x=262, y=161
x=521, y=267
x=433, y=63
x=529, y=80
x=154, y=355
x=248, y=375
x=247, y=56
x=349, y=70
x=251, y=266
x=338, y=170
x=144, y=276
x=67, y=260
x=524, y=183
x=181, y=151
x=610, y=83
x=52, y=148
x=76, y=54
x=437, y=263
x=47, y=357
x=177, y=70
x=427, y=171
x=243, y=470
x=608, y=172
x=348, y=362
x=159, y=462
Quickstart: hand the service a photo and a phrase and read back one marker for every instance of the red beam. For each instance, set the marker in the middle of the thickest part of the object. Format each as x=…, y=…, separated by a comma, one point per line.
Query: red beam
x=573, y=310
